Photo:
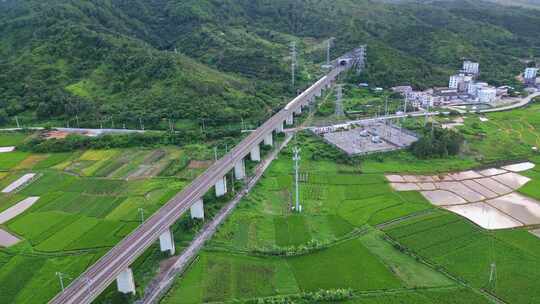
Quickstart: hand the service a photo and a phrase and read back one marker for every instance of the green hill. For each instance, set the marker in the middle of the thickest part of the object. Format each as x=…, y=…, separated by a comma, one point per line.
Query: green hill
x=229, y=59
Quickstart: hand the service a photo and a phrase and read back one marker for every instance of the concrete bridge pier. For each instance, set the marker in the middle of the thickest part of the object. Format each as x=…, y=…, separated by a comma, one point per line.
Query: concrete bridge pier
x=279, y=128
x=221, y=187
x=268, y=140
x=256, y=153
x=166, y=241
x=298, y=111
x=290, y=120
x=240, y=170
x=125, y=282
x=197, y=210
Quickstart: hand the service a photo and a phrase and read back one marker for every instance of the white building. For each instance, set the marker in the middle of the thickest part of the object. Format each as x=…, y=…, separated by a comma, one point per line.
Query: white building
x=454, y=81
x=460, y=82
x=530, y=75
x=470, y=67
x=475, y=87
x=487, y=95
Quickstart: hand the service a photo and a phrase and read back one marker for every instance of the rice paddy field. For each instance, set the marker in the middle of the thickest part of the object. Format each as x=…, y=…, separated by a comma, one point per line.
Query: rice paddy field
x=355, y=232
x=358, y=234
x=88, y=201
x=264, y=250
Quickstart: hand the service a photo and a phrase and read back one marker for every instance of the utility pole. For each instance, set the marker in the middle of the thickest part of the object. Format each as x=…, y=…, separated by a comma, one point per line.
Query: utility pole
x=293, y=63
x=339, y=101
x=77, y=118
x=141, y=124
x=215, y=153
x=17, y=121
x=141, y=212
x=296, y=159
x=405, y=105
x=61, y=279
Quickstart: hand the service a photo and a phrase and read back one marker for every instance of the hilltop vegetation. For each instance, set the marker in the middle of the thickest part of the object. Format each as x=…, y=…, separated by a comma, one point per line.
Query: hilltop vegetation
x=107, y=61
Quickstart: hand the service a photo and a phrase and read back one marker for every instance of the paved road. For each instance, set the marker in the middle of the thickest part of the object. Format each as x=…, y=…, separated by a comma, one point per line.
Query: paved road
x=524, y=101
x=95, y=279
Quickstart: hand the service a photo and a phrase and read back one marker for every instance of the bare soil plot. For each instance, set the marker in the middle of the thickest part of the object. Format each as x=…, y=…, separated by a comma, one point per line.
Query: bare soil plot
x=492, y=171
x=520, y=207
x=395, y=178
x=7, y=239
x=459, y=176
x=405, y=186
x=519, y=167
x=425, y=179
x=477, y=187
x=17, y=209
x=6, y=149
x=460, y=189
x=486, y=197
x=494, y=185
x=443, y=198
x=512, y=180
x=18, y=183
x=150, y=166
x=410, y=178
x=485, y=216
x=427, y=186
x=199, y=164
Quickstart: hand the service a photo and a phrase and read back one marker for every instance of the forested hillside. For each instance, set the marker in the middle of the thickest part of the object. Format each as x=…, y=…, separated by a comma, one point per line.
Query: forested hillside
x=225, y=60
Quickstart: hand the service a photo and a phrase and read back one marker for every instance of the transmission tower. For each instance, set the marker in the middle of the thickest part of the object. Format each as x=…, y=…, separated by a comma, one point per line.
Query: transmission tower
x=493, y=266
x=296, y=159
x=339, y=101
x=293, y=63
x=329, y=43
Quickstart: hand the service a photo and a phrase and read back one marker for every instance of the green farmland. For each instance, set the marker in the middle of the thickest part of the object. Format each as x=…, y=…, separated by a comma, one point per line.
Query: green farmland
x=88, y=201
x=355, y=233
x=265, y=251
x=356, y=241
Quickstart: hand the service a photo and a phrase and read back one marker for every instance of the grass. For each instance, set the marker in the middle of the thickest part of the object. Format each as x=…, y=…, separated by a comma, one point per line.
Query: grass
x=507, y=135
x=11, y=159
x=441, y=296
x=348, y=265
x=37, y=227
x=83, y=211
x=8, y=139
x=291, y=230
x=467, y=251
x=233, y=277
x=61, y=239
x=411, y=272
x=44, y=282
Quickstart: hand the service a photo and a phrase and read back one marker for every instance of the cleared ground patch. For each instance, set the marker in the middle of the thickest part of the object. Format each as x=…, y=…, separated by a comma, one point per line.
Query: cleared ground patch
x=487, y=201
